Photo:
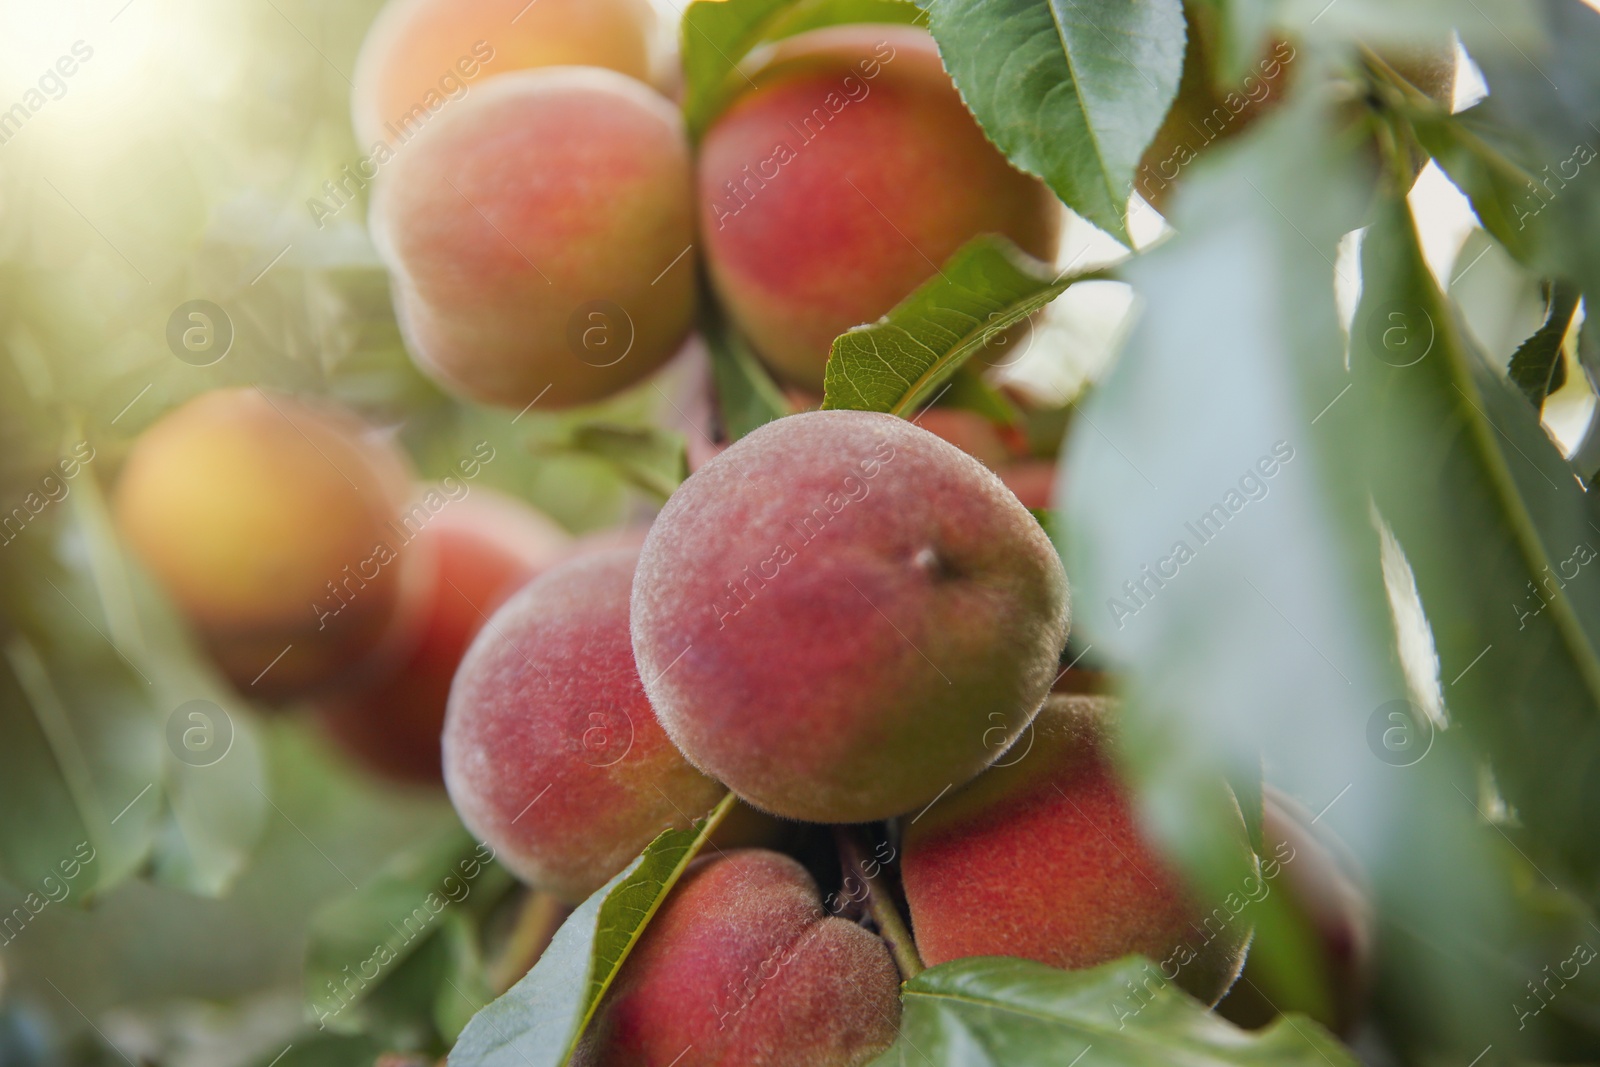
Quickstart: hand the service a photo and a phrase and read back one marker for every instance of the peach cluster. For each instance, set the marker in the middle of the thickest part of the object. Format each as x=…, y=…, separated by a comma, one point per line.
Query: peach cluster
x=542, y=211
x=842, y=618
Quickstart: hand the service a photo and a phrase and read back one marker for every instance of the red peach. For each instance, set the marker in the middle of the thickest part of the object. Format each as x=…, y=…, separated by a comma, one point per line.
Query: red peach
x=741, y=967
x=1042, y=858
x=420, y=56
x=842, y=616
x=540, y=237
x=842, y=181
x=551, y=753
x=487, y=546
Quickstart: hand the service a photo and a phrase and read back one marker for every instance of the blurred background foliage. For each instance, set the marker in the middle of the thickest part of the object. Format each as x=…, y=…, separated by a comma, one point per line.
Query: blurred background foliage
x=177, y=164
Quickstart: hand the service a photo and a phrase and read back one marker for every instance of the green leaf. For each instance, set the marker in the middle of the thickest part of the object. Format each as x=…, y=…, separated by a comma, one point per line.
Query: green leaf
x=1537, y=367
x=373, y=931
x=215, y=808
x=899, y=362
x=322, y=1050
x=1528, y=155
x=1517, y=643
x=539, y=1021
x=1014, y=1013
x=747, y=397
x=648, y=458
x=90, y=694
x=1268, y=640
x=1072, y=91
x=1586, y=457
x=717, y=34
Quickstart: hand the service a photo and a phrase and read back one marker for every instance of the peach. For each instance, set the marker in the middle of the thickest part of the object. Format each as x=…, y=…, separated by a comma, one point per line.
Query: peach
x=487, y=546
x=551, y=753
x=270, y=520
x=540, y=238
x=1042, y=858
x=842, y=615
x=741, y=967
x=422, y=56
x=842, y=181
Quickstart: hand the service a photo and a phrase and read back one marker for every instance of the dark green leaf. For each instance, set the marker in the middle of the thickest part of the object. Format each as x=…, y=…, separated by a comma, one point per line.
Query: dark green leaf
x=1013, y=1013
x=322, y=1050
x=747, y=397
x=1268, y=639
x=1452, y=448
x=1070, y=91
x=1537, y=367
x=1586, y=458
x=718, y=34
x=540, y=1019
x=1528, y=156
x=899, y=362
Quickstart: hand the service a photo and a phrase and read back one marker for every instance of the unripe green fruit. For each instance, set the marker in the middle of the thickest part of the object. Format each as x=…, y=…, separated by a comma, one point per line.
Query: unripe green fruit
x=842, y=616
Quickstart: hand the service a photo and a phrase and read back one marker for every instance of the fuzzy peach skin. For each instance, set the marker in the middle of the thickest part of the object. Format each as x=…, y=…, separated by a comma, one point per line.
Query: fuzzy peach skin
x=551, y=753
x=739, y=968
x=1041, y=858
x=842, y=181
x=487, y=546
x=270, y=521
x=421, y=57
x=842, y=616
x=539, y=238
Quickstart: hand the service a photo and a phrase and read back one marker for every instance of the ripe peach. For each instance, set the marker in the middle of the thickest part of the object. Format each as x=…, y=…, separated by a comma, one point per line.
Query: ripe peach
x=269, y=519
x=1041, y=858
x=540, y=238
x=420, y=55
x=487, y=546
x=551, y=753
x=740, y=967
x=842, y=616
x=842, y=181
